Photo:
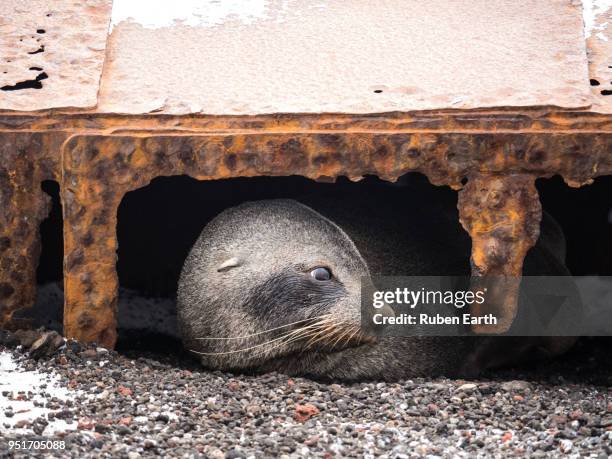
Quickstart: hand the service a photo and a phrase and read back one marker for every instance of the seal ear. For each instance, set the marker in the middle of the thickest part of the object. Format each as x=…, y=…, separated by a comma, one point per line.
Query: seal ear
x=228, y=264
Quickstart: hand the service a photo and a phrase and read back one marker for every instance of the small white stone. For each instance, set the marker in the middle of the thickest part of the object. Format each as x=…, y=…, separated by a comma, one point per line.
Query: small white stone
x=141, y=419
x=566, y=445
x=467, y=386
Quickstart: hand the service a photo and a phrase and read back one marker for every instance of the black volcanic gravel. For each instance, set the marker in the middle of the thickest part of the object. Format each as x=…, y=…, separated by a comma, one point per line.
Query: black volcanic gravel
x=137, y=404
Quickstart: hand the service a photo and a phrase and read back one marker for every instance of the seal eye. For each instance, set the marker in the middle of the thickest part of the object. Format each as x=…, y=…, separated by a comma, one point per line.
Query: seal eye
x=321, y=274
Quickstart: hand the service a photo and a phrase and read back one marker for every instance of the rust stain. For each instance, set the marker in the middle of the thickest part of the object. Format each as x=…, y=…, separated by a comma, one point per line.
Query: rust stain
x=534, y=120
x=502, y=215
x=23, y=206
x=98, y=159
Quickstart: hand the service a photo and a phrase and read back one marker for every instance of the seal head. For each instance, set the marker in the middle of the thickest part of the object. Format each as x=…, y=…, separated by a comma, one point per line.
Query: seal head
x=269, y=280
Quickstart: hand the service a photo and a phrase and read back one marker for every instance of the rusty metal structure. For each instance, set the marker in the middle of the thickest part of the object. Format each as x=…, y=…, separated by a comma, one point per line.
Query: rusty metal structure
x=98, y=153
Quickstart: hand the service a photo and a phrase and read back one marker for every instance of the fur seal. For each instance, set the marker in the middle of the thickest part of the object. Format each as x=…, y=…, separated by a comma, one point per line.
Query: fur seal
x=266, y=277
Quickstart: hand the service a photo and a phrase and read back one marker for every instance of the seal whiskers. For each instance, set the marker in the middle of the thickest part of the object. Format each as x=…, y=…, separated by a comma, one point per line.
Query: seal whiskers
x=310, y=319
x=346, y=333
x=337, y=330
x=291, y=336
x=324, y=328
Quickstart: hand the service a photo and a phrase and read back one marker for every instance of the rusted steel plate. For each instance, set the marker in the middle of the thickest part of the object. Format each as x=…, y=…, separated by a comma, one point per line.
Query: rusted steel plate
x=98, y=170
x=598, y=29
x=351, y=57
x=51, y=53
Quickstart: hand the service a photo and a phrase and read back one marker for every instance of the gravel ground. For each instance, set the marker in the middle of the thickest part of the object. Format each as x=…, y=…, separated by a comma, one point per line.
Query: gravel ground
x=141, y=404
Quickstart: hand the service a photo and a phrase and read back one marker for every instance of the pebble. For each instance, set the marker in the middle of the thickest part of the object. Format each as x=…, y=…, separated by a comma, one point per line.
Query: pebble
x=468, y=387
x=565, y=446
x=516, y=386
x=46, y=344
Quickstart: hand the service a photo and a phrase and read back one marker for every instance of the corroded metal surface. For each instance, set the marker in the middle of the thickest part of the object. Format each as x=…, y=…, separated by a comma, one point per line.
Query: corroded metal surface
x=542, y=120
x=351, y=57
x=53, y=125
x=502, y=215
x=51, y=53
x=23, y=205
x=499, y=212
x=104, y=157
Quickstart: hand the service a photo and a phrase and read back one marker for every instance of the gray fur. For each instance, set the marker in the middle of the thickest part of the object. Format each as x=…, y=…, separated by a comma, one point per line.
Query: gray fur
x=248, y=272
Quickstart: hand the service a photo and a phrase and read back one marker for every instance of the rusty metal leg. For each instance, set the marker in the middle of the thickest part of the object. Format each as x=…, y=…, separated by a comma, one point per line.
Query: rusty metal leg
x=502, y=215
x=90, y=246
x=23, y=206
x=90, y=276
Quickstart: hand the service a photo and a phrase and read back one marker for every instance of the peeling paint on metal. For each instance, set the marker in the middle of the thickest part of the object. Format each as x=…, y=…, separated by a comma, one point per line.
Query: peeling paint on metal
x=154, y=14
x=596, y=15
x=51, y=53
x=196, y=13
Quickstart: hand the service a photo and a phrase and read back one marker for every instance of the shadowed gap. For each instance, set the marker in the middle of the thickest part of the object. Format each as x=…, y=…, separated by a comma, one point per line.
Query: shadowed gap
x=158, y=224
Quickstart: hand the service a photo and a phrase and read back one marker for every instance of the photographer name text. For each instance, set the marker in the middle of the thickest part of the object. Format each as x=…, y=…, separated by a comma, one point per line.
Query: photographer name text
x=435, y=319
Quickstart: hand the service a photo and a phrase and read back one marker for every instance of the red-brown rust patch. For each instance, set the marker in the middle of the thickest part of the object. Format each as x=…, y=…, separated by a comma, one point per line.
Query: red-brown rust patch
x=100, y=170
x=112, y=155
x=502, y=215
x=24, y=164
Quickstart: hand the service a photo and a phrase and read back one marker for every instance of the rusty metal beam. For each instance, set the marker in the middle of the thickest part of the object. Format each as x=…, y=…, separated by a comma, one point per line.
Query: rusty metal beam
x=533, y=119
x=23, y=206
